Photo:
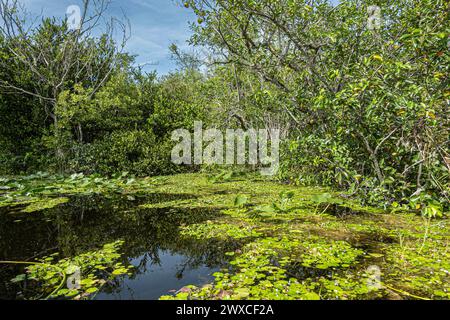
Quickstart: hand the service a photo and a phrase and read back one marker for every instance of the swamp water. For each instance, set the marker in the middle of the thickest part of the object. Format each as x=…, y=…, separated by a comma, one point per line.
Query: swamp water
x=185, y=230
x=163, y=262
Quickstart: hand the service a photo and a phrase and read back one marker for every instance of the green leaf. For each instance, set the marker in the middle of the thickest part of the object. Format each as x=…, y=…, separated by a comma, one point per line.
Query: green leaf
x=71, y=269
x=241, y=293
x=91, y=290
x=240, y=201
x=19, y=278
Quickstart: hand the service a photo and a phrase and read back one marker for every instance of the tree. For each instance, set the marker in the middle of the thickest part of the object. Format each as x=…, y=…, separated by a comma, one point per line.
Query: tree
x=368, y=107
x=49, y=58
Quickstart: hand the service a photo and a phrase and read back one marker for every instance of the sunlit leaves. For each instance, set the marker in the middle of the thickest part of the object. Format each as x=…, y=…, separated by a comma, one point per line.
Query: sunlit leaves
x=96, y=268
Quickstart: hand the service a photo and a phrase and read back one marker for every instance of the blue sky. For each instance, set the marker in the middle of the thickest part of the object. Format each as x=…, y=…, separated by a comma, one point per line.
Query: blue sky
x=155, y=24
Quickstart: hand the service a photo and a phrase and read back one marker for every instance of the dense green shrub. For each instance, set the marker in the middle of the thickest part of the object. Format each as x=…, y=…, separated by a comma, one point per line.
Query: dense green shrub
x=363, y=109
x=138, y=152
x=360, y=109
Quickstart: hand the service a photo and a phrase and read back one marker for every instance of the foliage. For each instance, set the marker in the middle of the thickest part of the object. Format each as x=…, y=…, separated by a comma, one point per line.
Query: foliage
x=220, y=231
x=223, y=176
x=97, y=268
x=38, y=190
x=44, y=204
x=289, y=254
x=429, y=263
x=280, y=206
x=240, y=201
x=366, y=109
x=260, y=271
x=360, y=110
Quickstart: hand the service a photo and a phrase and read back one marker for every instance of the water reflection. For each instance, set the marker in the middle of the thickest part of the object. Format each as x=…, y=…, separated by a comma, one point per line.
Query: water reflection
x=163, y=260
x=171, y=273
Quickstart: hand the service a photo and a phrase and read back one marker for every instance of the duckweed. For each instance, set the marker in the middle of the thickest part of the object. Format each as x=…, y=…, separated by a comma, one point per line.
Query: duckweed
x=287, y=242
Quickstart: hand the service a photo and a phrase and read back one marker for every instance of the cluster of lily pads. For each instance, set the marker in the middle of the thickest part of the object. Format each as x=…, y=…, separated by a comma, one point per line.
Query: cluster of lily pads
x=267, y=269
x=51, y=278
x=43, y=191
x=291, y=244
x=294, y=249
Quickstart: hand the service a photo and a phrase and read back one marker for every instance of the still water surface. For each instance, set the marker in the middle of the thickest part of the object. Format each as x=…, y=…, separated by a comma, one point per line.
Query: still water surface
x=164, y=262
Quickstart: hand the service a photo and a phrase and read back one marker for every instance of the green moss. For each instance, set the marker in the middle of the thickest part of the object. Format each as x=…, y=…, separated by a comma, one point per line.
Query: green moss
x=44, y=204
x=292, y=247
x=422, y=269
x=218, y=231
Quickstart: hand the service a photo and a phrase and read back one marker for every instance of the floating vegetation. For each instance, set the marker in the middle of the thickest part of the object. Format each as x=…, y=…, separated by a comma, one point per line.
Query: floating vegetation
x=49, y=278
x=220, y=239
x=44, y=204
x=429, y=263
x=220, y=231
x=36, y=187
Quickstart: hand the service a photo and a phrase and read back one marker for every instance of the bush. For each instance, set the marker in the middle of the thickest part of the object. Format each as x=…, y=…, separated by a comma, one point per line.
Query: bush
x=138, y=152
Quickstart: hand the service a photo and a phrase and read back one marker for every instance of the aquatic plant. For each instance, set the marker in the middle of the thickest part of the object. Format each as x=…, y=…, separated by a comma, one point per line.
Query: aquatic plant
x=285, y=252
x=49, y=276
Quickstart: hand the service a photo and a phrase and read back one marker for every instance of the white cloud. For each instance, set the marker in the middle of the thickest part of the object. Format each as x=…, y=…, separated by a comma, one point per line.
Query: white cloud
x=155, y=24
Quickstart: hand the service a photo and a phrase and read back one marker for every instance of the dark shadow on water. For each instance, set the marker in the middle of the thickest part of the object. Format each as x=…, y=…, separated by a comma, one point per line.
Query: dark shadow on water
x=371, y=242
x=299, y=272
x=164, y=261
x=343, y=212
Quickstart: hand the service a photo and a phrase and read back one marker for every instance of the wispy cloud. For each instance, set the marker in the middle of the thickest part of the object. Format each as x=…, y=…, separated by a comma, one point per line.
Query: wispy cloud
x=155, y=24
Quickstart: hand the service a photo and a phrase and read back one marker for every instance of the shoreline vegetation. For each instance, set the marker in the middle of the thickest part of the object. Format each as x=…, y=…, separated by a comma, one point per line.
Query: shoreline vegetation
x=351, y=98
x=288, y=242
